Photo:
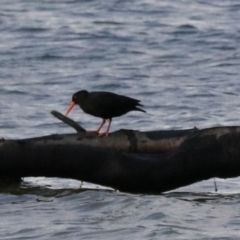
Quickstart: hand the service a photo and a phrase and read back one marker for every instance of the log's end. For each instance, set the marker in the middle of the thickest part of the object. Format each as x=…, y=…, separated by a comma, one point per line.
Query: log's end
x=6, y=180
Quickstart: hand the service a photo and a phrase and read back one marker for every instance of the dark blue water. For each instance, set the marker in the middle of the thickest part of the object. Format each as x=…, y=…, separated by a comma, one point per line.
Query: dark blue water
x=180, y=58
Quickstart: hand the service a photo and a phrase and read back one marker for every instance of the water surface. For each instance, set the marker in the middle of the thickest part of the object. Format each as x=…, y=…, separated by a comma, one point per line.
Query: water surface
x=181, y=58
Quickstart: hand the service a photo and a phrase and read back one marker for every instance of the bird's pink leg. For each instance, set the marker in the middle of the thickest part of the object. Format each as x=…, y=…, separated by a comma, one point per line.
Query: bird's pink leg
x=107, y=131
x=99, y=128
x=101, y=125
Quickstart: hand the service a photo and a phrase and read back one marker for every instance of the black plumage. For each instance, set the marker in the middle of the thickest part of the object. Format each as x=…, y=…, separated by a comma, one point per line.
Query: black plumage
x=105, y=105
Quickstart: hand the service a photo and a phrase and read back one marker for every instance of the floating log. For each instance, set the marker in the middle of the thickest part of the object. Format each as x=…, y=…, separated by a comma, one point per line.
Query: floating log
x=123, y=140
x=127, y=160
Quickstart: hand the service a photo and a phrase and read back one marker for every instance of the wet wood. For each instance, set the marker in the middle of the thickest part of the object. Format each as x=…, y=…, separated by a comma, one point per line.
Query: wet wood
x=68, y=121
x=193, y=155
x=122, y=140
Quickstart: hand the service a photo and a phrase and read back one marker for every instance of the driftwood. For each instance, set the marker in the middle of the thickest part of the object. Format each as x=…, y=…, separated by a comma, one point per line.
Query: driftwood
x=123, y=140
x=130, y=161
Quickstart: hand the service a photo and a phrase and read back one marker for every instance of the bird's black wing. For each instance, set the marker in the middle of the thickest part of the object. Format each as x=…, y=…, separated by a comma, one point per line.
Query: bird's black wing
x=108, y=105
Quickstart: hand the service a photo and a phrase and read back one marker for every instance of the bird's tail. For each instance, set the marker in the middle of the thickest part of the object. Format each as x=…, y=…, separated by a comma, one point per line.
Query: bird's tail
x=139, y=109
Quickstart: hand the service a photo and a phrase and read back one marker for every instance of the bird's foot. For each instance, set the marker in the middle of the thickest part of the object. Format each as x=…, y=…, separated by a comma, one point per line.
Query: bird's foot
x=99, y=134
x=103, y=134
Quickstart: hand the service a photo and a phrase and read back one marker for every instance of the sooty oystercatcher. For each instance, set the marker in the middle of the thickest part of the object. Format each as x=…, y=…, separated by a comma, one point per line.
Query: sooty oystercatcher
x=105, y=105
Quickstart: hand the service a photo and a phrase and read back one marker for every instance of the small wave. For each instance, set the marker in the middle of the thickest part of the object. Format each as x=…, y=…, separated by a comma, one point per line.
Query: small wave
x=32, y=29
x=107, y=23
x=231, y=93
x=225, y=48
x=186, y=29
x=17, y=92
x=49, y=56
x=187, y=26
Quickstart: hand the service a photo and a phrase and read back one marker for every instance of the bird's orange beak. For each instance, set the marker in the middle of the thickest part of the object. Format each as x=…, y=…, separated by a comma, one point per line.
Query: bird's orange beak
x=70, y=107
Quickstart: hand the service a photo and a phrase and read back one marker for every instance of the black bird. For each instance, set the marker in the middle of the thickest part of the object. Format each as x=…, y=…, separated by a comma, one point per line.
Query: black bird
x=105, y=105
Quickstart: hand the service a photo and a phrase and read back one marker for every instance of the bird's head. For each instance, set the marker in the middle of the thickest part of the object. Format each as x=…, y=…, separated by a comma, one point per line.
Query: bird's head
x=76, y=99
